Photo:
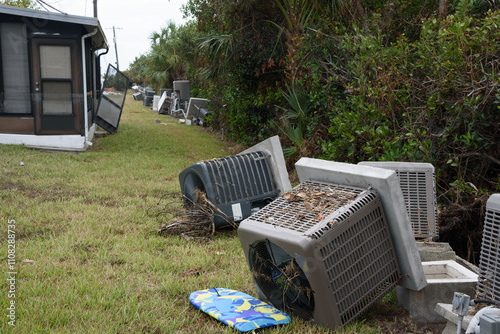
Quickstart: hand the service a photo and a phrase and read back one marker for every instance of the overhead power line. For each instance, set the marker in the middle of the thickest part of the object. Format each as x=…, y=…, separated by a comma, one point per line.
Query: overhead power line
x=43, y=4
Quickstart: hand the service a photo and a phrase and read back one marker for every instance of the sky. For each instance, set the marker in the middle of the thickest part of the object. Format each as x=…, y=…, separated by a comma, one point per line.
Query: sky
x=134, y=22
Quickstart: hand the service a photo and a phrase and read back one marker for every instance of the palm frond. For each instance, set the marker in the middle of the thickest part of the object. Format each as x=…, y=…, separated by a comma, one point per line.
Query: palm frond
x=217, y=46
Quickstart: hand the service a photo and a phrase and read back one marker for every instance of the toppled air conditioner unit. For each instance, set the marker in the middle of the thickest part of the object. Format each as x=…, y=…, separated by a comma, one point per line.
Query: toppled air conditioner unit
x=239, y=185
x=322, y=252
x=197, y=110
x=386, y=183
x=488, y=285
x=418, y=184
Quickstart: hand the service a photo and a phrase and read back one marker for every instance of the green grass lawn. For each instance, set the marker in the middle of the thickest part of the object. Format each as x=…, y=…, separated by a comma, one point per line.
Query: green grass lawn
x=88, y=257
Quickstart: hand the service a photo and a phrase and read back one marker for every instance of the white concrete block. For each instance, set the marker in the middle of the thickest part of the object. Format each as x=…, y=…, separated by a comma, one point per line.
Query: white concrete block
x=444, y=278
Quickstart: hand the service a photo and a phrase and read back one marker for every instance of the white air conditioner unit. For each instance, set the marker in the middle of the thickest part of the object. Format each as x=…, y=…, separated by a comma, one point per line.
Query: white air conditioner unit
x=418, y=184
x=489, y=264
x=322, y=252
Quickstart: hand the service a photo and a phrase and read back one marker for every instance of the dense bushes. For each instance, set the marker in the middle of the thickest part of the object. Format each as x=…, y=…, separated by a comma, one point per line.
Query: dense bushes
x=432, y=99
x=435, y=99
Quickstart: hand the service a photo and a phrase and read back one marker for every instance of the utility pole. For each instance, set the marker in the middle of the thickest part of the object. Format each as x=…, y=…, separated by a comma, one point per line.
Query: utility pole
x=116, y=48
x=95, y=8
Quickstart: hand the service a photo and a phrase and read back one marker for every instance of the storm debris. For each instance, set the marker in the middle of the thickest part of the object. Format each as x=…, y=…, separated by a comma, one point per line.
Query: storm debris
x=191, y=219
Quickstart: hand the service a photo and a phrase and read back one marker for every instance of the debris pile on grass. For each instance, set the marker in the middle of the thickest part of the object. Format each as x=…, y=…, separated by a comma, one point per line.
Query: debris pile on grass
x=191, y=219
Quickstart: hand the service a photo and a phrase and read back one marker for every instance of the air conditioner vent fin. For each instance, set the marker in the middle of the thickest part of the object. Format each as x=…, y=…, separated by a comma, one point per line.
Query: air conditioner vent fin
x=240, y=176
x=418, y=184
x=349, y=259
x=489, y=263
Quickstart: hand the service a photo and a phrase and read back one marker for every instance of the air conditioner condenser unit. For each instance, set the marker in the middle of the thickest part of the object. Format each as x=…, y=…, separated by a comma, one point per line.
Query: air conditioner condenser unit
x=237, y=185
x=322, y=251
x=418, y=184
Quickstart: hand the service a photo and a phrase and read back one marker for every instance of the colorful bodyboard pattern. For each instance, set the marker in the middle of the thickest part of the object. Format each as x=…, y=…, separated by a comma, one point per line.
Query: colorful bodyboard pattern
x=237, y=309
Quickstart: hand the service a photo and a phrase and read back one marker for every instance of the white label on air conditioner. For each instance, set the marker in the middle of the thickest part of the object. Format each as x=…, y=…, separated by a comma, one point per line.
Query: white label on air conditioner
x=237, y=214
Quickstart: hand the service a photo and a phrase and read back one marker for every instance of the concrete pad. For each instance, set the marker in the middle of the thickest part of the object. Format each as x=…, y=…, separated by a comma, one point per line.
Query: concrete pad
x=53, y=142
x=444, y=278
x=274, y=153
x=435, y=251
x=386, y=183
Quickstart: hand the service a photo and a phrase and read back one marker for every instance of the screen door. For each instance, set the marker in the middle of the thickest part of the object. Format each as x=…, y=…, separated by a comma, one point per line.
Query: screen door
x=58, y=97
x=112, y=99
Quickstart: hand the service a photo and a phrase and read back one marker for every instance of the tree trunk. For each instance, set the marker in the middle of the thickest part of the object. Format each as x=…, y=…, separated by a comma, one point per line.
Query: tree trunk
x=443, y=8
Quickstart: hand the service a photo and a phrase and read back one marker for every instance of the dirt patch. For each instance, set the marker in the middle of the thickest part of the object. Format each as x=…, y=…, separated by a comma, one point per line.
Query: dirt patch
x=55, y=193
x=194, y=272
x=396, y=319
x=42, y=232
x=28, y=191
x=106, y=201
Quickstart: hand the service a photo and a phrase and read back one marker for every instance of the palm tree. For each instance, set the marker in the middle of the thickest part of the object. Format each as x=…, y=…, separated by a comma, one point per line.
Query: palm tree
x=297, y=14
x=164, y=64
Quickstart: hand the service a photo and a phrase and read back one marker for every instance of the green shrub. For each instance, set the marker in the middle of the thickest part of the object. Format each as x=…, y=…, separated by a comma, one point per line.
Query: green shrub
x=433, y=100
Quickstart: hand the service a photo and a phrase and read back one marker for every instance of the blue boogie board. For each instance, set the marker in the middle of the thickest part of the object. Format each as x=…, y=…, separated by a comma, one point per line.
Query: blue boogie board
x=237, y=309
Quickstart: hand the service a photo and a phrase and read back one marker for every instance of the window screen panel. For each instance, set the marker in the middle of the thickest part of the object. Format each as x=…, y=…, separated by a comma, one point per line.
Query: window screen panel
x=15, y=68
x=57, y=98
x=55, y=61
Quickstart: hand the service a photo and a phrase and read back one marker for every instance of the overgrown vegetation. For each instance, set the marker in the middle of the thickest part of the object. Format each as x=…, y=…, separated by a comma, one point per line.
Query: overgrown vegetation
x=20, y=3
x=391, y=80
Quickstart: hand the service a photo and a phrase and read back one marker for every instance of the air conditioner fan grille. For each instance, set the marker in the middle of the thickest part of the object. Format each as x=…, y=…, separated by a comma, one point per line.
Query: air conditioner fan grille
x=281, y=279
x=420, y=201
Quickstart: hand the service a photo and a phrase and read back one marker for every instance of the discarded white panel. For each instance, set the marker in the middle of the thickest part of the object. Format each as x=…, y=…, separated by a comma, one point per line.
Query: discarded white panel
x=163, y=98
x=156, y=101
x=194, y=106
